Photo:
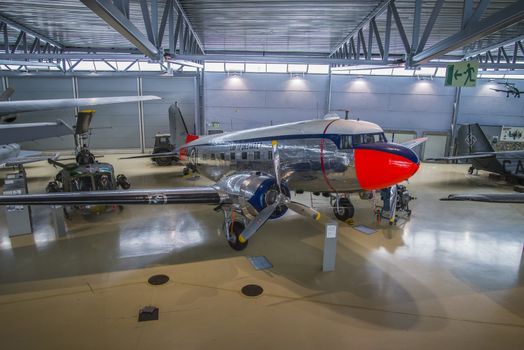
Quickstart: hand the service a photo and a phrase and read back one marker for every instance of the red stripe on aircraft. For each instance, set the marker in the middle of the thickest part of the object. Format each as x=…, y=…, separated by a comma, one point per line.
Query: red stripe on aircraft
x=322, y=157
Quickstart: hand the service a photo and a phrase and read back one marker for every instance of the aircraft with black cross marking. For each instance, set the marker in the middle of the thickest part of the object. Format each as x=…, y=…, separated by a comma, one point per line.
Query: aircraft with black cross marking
x=255, y=170
x=474, y=146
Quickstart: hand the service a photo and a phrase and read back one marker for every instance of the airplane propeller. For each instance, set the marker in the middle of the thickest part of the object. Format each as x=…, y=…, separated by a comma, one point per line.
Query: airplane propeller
x=281, y=199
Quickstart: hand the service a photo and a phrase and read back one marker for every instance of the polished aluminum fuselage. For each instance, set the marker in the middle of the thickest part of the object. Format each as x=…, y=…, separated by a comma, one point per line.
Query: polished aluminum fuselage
x=310, y=159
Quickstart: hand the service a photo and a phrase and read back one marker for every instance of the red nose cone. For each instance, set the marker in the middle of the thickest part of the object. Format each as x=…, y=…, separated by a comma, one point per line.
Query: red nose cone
x=381, y=167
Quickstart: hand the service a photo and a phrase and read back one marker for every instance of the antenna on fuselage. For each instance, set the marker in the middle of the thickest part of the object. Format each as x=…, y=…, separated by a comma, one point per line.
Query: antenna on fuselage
x=346, y=111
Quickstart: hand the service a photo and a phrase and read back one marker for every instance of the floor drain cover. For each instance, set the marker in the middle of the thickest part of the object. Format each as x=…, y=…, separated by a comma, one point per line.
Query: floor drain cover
x=157, y=280
x=252, y=290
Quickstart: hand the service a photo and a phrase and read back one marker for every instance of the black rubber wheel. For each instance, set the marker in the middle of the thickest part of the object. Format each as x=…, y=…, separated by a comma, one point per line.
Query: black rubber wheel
x=235, y=228
x=163, y=161
x=345, y=209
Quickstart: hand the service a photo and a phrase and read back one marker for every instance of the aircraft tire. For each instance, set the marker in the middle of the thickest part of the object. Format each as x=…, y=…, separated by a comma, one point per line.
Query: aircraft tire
x=163, y=161
x=345, y=210
x=236, y=228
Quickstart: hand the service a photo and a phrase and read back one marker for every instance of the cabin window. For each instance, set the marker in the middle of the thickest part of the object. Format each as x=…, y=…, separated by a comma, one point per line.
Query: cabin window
x=244, y=155
x=368, y=138
x=204, y=156
x=222, y=156
x=256, y=155
x=232, y=155
x=269, y=155
x=345, y=141
x=213, y=157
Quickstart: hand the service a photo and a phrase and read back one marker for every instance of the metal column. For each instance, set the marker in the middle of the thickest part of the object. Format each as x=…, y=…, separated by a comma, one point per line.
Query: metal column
x=454, y=118
x=141, y=123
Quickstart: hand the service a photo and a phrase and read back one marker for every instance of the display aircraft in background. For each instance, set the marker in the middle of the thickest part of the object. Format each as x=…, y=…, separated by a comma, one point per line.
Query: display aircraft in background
x=487, y=197
x=473, y=146
x=86, y=173
x=11, y=134
x=511, y=89
x=254, y=171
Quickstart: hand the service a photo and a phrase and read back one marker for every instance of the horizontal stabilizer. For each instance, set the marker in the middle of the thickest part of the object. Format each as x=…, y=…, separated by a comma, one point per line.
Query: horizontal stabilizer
x=414, y=143
x=466, y=157
x=490, y=198
x=155, y=155
x=40, y=105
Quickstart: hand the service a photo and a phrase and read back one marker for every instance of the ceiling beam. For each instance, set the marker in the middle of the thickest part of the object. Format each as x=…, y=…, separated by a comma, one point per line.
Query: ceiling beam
x=118, y=21
x=376, y=12
x=181, y=11
x=29, y=31
x=503, y=43
x=475, y=31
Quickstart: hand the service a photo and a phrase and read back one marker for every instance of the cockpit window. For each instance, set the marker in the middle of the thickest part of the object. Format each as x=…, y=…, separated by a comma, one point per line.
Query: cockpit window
x=82, y=183
x=348, y=141
x=103, y=182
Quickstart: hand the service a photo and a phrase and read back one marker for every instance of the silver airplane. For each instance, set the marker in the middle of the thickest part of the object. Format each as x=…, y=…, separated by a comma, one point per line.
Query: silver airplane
x=11, y=134
x=255, y=170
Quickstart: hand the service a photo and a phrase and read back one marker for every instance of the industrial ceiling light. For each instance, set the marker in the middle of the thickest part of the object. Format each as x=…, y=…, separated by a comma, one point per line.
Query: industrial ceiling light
x=297, y=69
x=232, y=67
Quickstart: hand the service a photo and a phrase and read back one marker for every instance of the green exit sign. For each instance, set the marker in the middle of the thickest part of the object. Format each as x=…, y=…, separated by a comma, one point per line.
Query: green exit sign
x=462, y=74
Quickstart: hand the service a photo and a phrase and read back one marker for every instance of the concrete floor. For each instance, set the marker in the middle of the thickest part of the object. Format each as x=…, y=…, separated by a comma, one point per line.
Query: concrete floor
x=451, y=277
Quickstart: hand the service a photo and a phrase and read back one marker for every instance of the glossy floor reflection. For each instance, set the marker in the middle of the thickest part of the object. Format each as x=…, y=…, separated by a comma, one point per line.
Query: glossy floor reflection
x=453, y=276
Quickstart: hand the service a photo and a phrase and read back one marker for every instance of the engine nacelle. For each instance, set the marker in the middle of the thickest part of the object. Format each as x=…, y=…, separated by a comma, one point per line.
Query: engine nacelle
x=252, y=192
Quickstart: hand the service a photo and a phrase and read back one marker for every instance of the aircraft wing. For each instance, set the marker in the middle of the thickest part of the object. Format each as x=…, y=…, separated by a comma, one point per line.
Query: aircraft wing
x=414, y=143
x=466, y=156
x=499, y=90
x=40, y=105
x=490, y=198
x=26, y=157
x=15, y=133
x=181, y=195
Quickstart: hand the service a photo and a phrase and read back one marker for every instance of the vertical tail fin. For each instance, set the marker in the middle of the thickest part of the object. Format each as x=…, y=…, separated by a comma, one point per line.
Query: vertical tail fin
x=178, y=128
x=471, y=139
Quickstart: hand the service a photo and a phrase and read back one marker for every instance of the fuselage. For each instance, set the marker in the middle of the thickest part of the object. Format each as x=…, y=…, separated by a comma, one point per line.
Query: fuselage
x=330, y=155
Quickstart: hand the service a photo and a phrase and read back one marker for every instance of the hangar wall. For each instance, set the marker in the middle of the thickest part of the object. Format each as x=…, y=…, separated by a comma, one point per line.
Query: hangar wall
x=396, y=103
x=114, y=126
x=258, y=99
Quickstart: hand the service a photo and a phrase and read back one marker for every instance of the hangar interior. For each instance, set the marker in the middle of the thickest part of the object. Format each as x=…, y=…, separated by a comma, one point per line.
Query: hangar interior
x=450, y=275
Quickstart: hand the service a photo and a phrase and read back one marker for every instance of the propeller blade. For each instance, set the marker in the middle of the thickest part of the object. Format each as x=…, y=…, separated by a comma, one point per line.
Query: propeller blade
x=304, y=210
x=257, y=222
x=276, y=163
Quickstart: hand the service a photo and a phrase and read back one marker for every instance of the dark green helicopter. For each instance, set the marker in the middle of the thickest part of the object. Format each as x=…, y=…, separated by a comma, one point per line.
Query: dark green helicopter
x=86, y=174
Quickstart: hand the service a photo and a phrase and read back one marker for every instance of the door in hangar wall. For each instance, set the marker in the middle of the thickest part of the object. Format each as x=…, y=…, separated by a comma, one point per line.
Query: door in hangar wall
x=400, y=136
x=435, y=146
